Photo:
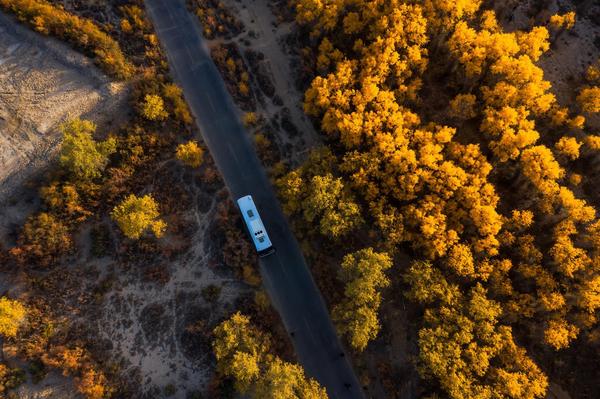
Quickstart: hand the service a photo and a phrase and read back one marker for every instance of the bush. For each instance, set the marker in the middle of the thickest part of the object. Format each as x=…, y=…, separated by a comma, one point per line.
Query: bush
x=211, y=293
x=44, y=239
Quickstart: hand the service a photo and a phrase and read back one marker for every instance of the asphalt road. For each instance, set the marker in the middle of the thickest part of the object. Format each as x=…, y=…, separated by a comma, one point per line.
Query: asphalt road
x=285, y=274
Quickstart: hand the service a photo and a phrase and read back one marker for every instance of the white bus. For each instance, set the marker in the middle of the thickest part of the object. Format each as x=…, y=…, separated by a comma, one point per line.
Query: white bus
x=255, y=226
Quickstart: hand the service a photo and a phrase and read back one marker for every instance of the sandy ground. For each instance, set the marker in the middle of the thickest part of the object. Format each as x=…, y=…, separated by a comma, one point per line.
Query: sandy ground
x=147, y=323
x=42, y=83
x=264, y=34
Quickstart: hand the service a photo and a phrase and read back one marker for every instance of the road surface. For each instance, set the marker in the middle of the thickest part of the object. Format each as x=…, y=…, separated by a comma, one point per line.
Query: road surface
x=285, y=274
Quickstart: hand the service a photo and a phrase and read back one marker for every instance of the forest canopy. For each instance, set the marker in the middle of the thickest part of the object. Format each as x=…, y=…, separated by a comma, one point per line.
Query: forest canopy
x=446, y=136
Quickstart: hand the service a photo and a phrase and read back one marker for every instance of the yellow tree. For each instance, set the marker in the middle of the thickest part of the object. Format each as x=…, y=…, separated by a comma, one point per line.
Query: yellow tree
x=12, y=315
x=190, y=154
x=80, y=154
x=334, y=207
x=283, y=380
x=174, y=94
x=541, y=168
x=363, y=273
x=464, y=347
x=568, y=147
x=136, y=215
x=564, y=21
x=240, y=350
x=153, y=108
x=559, y=334
x=589, y=99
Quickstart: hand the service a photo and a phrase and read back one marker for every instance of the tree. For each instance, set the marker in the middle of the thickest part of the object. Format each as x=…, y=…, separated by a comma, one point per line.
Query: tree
x=136, y=215
x=92, y=384
x=44, y=238
x=80, y=154
x=153, y=108
x=460, y=260
x=569, y=147
x=190, y=154
x=559, y=334
x=363, y=273
x=12, y=315
x=589, y=99
x=174, y=94
x=81, y=32
x=564, y=21
x=328, y=201
x=240, y=349
x=463, y=346
x=242, y=353
x=64, y=200
x=321, y=199
x=541, y=168
x=283, y=380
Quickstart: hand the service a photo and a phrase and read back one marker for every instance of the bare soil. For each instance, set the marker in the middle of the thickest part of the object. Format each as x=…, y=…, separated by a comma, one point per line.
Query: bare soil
x=273, y=65
x=43, y=83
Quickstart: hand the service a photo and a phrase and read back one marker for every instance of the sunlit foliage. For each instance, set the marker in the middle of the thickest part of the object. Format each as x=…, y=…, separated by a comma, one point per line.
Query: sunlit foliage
x=137, y=215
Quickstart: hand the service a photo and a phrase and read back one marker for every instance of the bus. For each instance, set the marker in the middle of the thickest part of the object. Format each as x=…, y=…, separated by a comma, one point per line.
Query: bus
x=255, y=226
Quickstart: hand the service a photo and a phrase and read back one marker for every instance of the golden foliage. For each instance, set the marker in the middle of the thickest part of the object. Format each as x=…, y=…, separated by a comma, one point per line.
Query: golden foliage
x=153, y=108
x=190, y=154
x=44, y=238
x=12, y=315
x=564, y=21
x=80, y=154
x=136, y=215
x=569, y=147
x=242, y=353
x=589, y=99
x=559, y=334
x=82, y=33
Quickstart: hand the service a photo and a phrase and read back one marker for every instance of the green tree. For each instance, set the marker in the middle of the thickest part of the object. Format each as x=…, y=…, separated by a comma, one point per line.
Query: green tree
x=136, y=215
x=363, y=273
x=80, y=154
x=333, y=206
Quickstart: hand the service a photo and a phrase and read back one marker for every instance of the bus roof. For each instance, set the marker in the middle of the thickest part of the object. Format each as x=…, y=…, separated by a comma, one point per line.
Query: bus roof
x=255, y=226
